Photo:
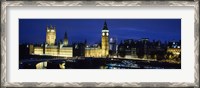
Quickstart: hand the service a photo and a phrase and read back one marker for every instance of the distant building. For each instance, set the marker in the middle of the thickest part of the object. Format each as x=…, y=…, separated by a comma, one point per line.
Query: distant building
x=113, y=46
x=50, y=48
x=79, y=49
x=24, y=51
x=31, y=49
x=127, y=49
x=142, y=48
x=100, y=51
x=174, y=48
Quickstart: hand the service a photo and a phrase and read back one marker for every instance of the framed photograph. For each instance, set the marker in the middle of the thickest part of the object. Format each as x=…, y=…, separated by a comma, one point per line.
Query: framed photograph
x=100, y=44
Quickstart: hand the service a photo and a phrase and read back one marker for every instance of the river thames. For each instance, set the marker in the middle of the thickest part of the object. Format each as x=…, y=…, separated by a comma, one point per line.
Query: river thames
x=94, y=63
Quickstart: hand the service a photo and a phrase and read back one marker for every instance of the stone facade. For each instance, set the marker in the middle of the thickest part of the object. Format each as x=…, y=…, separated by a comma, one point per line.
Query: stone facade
x=102, y=51
x=50, y=49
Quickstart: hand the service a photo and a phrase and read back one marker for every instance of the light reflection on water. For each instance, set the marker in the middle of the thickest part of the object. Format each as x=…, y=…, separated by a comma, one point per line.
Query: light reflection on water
x=44, y=65
x=41, y=65
x=84, y=64
x=62, y=66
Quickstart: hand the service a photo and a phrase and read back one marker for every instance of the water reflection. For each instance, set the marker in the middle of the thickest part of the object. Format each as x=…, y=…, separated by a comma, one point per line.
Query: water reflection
x=62, y=65
x=41, y=65
x=90, y=63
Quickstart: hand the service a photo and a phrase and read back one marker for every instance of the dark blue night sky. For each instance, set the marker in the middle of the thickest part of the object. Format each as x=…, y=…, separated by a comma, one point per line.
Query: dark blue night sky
x=79, y=30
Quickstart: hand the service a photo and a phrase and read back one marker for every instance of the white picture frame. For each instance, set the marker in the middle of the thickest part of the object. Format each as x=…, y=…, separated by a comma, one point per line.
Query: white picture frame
x=4, y=21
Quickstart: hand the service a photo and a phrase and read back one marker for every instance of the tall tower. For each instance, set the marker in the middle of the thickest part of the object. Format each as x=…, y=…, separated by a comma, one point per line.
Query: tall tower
x=105, y=40
x=51, y=35
x=65, y=42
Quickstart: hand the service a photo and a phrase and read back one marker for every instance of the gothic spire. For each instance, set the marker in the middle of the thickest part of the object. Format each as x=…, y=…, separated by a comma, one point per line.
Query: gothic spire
x=105, y=26
x=65, y=35
x=65, y=42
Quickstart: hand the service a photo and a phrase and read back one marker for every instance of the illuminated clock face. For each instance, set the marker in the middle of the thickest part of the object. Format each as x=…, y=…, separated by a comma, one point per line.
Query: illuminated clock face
x=103, y=34
x=52, y=31
x=47, y=30
x=107, y=34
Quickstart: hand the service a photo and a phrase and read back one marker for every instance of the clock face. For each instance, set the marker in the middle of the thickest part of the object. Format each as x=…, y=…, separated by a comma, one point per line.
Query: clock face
x=103, y=34
x=52, y=30
x=107, y=34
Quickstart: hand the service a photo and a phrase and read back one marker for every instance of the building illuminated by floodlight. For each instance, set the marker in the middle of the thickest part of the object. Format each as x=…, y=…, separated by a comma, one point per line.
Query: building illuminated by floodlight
x=174, y=48
x=100, y=51
x=50, y=48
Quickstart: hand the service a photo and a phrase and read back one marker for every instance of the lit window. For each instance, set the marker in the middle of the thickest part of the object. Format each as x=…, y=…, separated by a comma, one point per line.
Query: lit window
x=103, y=34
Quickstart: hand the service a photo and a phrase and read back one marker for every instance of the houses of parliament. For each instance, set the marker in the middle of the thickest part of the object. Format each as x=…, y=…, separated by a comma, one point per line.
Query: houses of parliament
x=50, y=48
x=100, y=51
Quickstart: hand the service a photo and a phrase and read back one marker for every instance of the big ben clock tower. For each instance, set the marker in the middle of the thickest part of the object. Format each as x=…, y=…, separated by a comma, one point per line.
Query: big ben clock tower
x=104, y=41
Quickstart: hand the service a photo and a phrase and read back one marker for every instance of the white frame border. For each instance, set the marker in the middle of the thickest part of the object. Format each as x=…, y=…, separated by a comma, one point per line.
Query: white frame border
x=5, y=4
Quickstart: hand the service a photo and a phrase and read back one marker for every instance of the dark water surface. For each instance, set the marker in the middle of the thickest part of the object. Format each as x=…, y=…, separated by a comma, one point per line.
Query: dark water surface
x=94, y=63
